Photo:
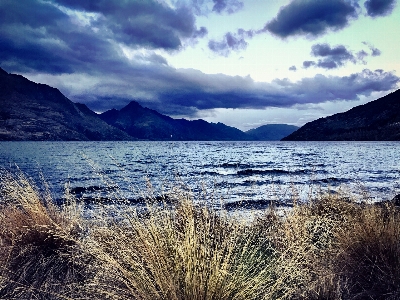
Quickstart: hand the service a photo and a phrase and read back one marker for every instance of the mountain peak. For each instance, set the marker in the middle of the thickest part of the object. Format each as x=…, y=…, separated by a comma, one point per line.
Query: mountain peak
x=148, y=124
x=32, y=111
x=133, y=105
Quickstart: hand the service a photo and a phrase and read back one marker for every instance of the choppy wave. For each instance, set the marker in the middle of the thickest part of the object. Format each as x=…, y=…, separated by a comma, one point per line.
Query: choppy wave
x=231, y=170
x=248, y=172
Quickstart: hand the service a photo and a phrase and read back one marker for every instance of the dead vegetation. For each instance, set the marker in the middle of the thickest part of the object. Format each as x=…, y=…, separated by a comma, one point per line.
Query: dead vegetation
x=333, y=247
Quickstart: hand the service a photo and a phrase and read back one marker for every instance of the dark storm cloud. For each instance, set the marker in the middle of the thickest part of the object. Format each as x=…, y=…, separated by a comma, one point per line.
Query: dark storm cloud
x=220, y=91
x=151, y=58
x=36, y=36
x=231, y=41
x=377, y=8
x=308, y=63
x=142, y=23
x=202, y=32
x=40, y=36
x=33, y=14
x=327, y=64
x=229, y=6
x=228, y=43
x=332, y=57
x=186, y=92
x=30, y=56
x=39, y=39
x=338, y=53
x=312, y=17
x=361, y=55
x=374, y=51
x=206, y=7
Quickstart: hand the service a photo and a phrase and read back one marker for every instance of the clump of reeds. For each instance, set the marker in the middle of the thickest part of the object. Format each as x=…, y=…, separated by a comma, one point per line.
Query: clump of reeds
x=39, y=253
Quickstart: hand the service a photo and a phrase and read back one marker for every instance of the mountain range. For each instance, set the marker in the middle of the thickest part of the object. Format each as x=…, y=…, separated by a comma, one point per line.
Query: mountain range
x=147, y=124
x=377, y=120
x=32, y=111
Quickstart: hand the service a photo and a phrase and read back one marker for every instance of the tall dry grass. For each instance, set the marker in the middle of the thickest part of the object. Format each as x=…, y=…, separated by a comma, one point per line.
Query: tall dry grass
x=332, y=247
x=40, y=255
x=187, y=251
x=369, y=256
x=349, y=249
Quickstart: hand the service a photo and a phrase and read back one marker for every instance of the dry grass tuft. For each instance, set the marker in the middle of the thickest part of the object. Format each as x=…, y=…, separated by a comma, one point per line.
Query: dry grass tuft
x=185, y=252
x=348, y=249
x=369, y=255
x=38, y=243
x=332, y=247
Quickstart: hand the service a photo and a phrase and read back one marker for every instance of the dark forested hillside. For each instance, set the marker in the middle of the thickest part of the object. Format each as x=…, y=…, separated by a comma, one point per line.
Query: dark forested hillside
x=31, y=111
x=378, y=120
x=145, y=123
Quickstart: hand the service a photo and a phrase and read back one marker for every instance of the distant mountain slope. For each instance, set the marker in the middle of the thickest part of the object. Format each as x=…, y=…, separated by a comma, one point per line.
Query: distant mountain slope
x=378, y=120
x=31, y=111
x=145, y=123
x=37, y=112
x=271, y=132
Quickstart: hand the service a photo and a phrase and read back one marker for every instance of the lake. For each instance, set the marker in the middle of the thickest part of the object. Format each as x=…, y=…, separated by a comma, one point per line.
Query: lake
x=219, y=170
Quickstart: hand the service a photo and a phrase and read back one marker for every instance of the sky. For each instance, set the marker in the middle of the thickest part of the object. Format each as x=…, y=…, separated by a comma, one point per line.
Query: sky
x=244, y=63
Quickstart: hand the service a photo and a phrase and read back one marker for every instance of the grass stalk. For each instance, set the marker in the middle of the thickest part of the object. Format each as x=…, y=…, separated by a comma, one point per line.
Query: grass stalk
x=332, y=247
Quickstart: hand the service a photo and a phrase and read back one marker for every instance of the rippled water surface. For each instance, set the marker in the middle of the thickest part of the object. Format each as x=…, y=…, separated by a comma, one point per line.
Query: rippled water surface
x=231, y=170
